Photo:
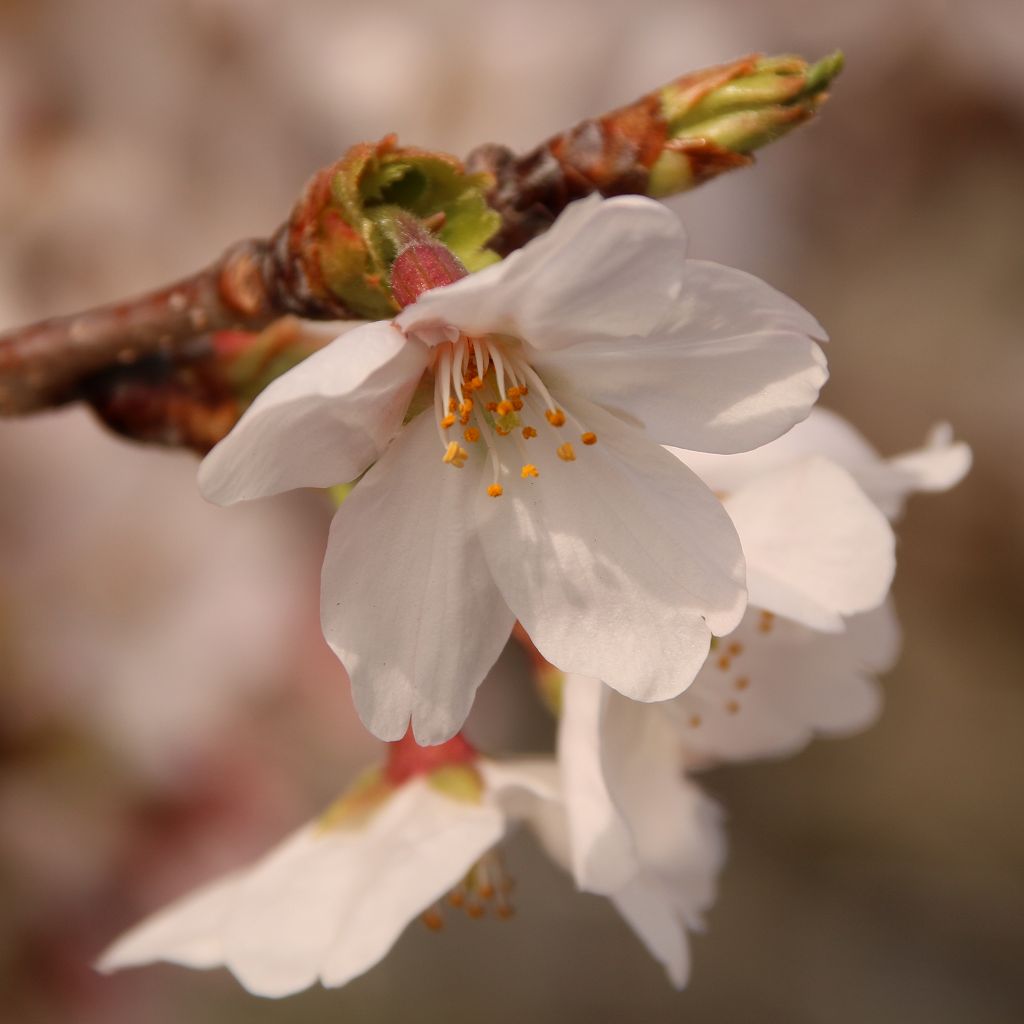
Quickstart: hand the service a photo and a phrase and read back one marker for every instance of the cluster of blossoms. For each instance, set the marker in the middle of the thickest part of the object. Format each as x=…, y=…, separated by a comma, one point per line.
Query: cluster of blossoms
x=613, y=446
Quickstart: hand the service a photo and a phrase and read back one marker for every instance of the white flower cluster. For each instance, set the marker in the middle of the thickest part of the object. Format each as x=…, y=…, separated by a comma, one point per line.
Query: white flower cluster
x=614, y=446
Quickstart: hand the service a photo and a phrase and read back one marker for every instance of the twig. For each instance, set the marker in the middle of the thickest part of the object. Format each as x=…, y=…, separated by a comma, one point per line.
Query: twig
x=151, y=366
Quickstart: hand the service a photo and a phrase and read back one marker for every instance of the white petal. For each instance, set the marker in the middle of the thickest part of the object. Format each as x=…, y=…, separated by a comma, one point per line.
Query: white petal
x=822, y=433
x=187, y=932
x=407, y=602
x=536, y=777
x=527, y=789
x=324, y=904
x=618, y=565
x=782, y=686
x=603, y=857
x=424, y=855
x=646, y=910
x=606, y=269
x=676, y=829
x=330, y=904
x=321, y=423
x=731, y=367
x=938, y=466
x=630, y=810
x=817, y=548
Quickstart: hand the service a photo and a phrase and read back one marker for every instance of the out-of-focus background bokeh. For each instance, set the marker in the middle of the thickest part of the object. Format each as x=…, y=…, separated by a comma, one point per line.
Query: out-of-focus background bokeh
x=167, y=707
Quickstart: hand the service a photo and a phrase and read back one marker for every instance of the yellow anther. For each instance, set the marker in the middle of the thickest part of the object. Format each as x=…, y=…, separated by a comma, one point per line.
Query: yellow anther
x=502, y=431
x=455, y=455
x=528, y=470
x=589, y=437
x=448, y=421
x=735, y=648
x=767, y=622
x=466, y=406
x=724, y=662
x=514, y=392
x=565, y=452
x=471, y=434
x=517, y=404
x=505, y=407
x=491, y=407
x=451, y=405
x=555, y=417
x=529, y=432
x=742, y=683
x=474, y=384
x=732, y=706
x=433, y=920
x=694, y=721
x=495, y=490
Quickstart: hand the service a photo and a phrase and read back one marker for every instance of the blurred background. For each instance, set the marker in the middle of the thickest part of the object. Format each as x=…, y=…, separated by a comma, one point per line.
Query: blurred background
x=167, y=706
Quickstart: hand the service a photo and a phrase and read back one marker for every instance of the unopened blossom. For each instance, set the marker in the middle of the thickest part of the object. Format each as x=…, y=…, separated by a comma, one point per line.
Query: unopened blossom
x=509, y=426
x=331, y=900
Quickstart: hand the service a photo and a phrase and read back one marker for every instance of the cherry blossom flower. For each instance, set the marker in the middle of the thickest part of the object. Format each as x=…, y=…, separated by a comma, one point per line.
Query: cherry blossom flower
x=528, y=480
x=331, y=900
x=817, y=632
x=801, y=663
x=818, y=552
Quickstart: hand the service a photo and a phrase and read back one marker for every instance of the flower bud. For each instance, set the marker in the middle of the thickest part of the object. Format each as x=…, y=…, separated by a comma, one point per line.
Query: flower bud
x=420, y=266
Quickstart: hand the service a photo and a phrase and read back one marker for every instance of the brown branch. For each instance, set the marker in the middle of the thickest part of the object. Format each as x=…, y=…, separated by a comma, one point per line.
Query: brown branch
x=43, y=364
x=612, y=154
x=152, y=367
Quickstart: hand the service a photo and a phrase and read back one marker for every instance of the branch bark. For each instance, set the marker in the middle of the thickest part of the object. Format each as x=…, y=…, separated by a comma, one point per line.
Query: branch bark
x=151, y=366
x=42, y=365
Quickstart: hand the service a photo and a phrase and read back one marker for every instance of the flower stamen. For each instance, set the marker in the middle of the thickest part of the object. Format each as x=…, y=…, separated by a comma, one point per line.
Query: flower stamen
x=455, y=455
